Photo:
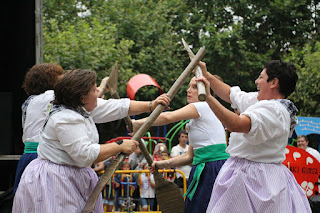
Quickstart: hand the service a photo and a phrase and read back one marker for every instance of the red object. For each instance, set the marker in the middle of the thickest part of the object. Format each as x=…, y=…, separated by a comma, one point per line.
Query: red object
x=138, y=81
x=305, y=168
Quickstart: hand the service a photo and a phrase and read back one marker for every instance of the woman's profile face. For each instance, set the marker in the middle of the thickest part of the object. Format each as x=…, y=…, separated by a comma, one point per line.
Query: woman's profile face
x=192, y=92
x=90, y=100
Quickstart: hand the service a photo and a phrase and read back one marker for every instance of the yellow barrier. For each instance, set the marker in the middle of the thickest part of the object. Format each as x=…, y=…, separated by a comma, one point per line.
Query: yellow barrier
x=166, y=171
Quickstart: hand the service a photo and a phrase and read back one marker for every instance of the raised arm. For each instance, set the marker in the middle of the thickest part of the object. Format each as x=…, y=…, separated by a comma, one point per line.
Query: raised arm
x=103, y=88
x=220, y=88
x=229, y=119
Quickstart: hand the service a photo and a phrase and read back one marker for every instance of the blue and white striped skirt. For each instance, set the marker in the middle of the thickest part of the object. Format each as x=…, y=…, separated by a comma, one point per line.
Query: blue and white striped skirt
x=48, y=187
x=247, y=186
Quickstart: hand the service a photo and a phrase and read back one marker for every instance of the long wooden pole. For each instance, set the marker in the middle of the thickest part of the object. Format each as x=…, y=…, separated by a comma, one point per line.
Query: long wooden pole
x=112, y=167
x=202, y=96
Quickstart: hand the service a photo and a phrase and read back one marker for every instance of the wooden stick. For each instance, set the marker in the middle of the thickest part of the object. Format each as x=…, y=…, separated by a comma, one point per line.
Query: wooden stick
x=138, y=135
x=112, y=86
x=202, y=96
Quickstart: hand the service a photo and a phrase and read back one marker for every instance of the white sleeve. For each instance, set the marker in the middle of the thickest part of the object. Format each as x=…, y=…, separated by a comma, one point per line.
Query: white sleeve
x=110, y=110
x=242, y=100
x=269, y=119
x=73, y=138
x=202, y=109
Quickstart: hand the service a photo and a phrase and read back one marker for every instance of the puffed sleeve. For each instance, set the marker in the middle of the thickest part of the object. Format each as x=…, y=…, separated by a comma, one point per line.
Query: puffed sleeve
x=110, y=110
x=72, y=134
x=242, y=100
x=268, y=120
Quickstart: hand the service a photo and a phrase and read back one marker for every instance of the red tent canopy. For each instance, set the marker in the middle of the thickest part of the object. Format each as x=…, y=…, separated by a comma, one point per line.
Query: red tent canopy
x=138, y=81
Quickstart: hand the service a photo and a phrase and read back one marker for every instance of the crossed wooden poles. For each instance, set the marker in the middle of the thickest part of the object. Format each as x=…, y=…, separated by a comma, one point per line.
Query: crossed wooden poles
x=168, y=194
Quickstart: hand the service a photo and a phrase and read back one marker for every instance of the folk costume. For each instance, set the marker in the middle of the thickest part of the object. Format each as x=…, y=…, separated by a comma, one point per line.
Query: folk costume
x=207, y=137
x=61, y=178
x=254, y=179
x=34, y=112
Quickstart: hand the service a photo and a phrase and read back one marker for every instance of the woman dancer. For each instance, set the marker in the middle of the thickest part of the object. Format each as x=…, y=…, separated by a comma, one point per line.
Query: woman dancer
x=61, y=179
x=206, y=150
x=254, y=179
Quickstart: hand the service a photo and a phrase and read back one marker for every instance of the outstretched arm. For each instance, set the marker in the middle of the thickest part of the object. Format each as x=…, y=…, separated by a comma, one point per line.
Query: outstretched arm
x=185, y=113
x=138, y=107
x=220, y=88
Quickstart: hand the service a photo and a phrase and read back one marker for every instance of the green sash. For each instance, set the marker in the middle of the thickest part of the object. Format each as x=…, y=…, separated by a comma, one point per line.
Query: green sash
x=30, y=147
x=202, y=156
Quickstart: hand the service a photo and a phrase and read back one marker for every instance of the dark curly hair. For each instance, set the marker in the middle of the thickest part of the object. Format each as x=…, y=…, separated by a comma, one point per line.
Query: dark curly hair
x=285, y=72
x=74, y=84
x=41, y=77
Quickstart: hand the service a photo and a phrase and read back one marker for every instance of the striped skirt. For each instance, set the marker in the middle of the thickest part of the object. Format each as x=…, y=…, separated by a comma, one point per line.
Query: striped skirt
x=22, y=164
x=201, y=197
x=247, y=186
x=47, y=187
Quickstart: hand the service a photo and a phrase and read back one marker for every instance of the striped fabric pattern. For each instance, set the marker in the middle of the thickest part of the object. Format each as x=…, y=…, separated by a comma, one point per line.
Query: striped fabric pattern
x=201, y=198
x=22, y=164
x=47, y=188
x=253, y=187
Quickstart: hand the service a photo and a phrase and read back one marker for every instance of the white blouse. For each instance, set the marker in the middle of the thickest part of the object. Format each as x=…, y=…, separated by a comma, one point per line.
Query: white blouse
x=270, y=127
x=207, y=129
x=71, y=139
x=35, y=116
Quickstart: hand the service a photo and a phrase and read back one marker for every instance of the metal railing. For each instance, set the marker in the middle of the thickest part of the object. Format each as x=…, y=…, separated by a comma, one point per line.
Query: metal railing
x=129, y=200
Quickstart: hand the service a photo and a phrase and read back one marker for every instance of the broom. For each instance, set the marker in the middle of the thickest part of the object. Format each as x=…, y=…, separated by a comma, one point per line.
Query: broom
x=168, y=194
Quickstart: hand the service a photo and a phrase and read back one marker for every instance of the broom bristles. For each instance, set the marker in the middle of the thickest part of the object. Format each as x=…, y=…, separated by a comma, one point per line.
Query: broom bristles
x=168, y=196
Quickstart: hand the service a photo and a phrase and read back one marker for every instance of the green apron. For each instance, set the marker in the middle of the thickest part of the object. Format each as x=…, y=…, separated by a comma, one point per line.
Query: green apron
x=202, y=156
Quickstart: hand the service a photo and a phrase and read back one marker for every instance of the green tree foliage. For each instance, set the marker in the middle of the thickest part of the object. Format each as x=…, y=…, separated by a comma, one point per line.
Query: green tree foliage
x=242, y=36
x=75, y=41
x=307, y=93
x=138, y=34
x=144, y=36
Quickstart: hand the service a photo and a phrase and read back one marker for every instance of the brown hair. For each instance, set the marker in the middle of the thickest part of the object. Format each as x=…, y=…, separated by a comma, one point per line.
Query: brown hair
x=303, y=136
x=74, y=84
x=41, y=77
x=125, y=163
x=285, y=72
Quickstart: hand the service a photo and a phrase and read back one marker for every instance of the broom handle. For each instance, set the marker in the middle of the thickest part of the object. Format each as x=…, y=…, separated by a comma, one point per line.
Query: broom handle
x=202, y=96
x=142, y=131
x=159, y=109
x=127, y=119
